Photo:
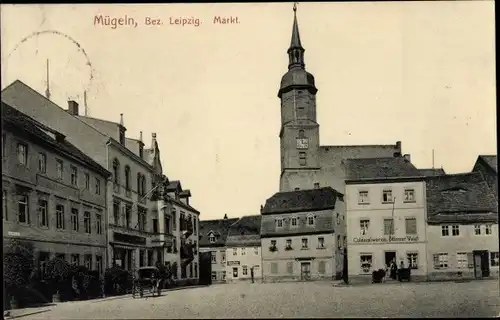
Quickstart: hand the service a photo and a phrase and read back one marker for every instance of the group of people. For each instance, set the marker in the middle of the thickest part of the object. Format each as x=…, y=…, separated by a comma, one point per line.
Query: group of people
x=392, y=269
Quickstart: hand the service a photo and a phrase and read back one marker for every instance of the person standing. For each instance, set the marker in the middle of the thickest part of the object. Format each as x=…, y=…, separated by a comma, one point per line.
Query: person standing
x=251, y=273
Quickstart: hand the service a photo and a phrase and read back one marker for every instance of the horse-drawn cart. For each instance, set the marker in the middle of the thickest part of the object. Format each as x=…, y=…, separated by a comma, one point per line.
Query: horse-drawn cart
x=147, y=279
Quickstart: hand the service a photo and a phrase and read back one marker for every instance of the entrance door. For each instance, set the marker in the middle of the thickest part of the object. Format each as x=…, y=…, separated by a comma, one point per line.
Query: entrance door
x=305, y=270
x=481, y=264
x=389, y=257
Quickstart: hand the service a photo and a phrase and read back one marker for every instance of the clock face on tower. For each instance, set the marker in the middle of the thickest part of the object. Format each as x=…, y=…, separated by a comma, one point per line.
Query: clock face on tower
x=302, y=143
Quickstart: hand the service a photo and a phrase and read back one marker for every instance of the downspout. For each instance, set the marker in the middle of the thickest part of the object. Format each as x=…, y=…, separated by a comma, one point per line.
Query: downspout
x=108, y=144
x=426, y=224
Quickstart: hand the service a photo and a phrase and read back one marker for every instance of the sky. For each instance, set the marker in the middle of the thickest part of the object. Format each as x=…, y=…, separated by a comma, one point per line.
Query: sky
x=418, y=72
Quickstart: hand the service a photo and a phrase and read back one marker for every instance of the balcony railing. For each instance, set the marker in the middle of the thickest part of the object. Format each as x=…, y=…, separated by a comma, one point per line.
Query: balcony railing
x=186, y=226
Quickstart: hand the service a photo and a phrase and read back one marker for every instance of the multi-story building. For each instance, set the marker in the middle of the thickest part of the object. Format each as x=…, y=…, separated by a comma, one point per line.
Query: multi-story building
x=386, y=216
x=53, y=194
x=298, y=235
x=462, y=231
x=130, y=233
x=243, y=251
x=488, y=166
x=212, y=238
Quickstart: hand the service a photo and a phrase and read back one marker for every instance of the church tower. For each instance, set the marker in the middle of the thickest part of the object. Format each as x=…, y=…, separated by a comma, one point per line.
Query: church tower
x=299, y=134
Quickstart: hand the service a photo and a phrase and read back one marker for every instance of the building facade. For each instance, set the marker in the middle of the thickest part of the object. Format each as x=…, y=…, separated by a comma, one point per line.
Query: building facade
x=386, y=216
x=212, y=238
x=305, y=164
x=488, y=166
x=243, y=251
x=53, y=195
x=298, y=236
x=462, y=229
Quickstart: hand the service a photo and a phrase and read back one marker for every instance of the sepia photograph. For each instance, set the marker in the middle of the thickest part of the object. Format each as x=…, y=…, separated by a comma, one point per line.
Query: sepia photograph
x=249, y=160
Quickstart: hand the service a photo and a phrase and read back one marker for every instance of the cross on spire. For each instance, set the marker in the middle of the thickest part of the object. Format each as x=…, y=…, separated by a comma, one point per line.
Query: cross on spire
x=295, y=7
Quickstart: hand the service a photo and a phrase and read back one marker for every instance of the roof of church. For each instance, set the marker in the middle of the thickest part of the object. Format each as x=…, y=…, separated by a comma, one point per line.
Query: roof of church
x=376, y=168
x=220, y=229
x=245, y=232
x=463, y=197
x=39, y=131
x=432, y=172
x=301, y=200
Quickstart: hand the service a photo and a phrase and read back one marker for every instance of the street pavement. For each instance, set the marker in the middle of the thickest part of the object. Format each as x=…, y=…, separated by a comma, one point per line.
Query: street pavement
x=292, y=300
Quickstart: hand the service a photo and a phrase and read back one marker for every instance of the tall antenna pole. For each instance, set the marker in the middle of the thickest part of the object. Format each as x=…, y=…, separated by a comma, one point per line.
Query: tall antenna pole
x=47, y=90
x=85, y=102
x=432, y=158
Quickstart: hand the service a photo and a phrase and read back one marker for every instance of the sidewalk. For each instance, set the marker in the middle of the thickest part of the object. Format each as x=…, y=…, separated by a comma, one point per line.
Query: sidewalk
x=17, y=313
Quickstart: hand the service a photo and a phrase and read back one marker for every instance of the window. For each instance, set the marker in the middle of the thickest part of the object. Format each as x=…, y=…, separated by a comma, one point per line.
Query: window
x=223, y=275
x=116, y=213
x=387, y=196
x=363, y=197
x=339, y=243
x=411, y=225
x=97, y=186
x=43, y=258
x=128, y=211
x=59, y=216
x=288, y=245
x=364, y=225
x=445, y=231
x=494, y=257
x=441, y=261
x=98, y=223
x=235, y=272
x=316, y=185
x=455, y=230
x=116, y=171
x=98, y=263
x=127, y=177
x=86, y=222
x=122, y=137
x=211, y=238
x=338, y=218
x=235, y=251
x=74, y=175
x=294, y=221
x=462, y=261
x=245, y=271
x=223, y=257
x=487, y=229
x=310, y=220
x=412, y=259
x=304, y=243
x=256, y=251
x=75, y=259
x=61, y=256
x=321, y=242
x=141, y=258
x=388, y=227
x=243, y=251
x=279, y=223
x=302, y=158
x=59, y=169
x=42, y=163
x=274, y=267
x=74, y=219
x=321, y=267
x=296, y=189
x=87, y=261
x=141, y=217
x=213, y=256
x=273, y=244
x=22, y=154
x=87, y=181
x=4, y=205
x=289, y=267
x=409, y=195
x=43, y=217
x=22, y=205
x=365, y=263
x=477, y=229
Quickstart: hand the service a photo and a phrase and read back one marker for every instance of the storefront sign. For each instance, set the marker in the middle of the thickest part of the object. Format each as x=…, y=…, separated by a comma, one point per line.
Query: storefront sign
x=386, y=239
x=14, y=234
x=233, y=263
x=127, y=238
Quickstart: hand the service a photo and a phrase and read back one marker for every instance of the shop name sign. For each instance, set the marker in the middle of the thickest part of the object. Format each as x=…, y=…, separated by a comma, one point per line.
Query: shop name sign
x=233, y=263
x=386, y=239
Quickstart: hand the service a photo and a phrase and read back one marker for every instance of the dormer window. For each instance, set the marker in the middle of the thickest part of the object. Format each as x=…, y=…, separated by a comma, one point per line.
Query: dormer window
x=122, y=137
x=279, y=223
x=141, y=151
x=211, y=238
x=294, y=222
x=310, y=220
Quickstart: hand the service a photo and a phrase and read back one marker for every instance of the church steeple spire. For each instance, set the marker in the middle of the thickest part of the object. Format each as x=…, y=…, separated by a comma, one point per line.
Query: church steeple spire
x=296, y=51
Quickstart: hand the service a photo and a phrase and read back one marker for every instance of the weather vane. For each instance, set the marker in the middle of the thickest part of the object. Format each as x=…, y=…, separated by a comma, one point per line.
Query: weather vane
x=295, y=6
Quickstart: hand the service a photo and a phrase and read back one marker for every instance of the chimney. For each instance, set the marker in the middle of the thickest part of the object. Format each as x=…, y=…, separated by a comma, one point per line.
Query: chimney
x=261, y=208
x=73, y=107
x=398, y=145
x=407, y=157
x=225, y=216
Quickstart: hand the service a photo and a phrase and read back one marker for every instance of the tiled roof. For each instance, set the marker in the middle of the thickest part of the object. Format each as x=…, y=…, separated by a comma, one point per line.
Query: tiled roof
x=491, y=161
x=461, y=197
x=245, y=231
x=219, y=227
x=38, y=130
x=301, y=200
x=174, y=185
x=373, y=168
x=324, y=223
x=432, y=172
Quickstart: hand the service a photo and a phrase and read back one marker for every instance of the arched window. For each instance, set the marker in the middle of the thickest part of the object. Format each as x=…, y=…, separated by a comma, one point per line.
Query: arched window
x=127, y=177
x=297, y=56
x=116, y=171
x=139, y=184
x=143, y=185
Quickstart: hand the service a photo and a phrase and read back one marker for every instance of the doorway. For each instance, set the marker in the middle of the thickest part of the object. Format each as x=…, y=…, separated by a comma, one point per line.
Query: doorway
x=305, y=270
x=481, y=264
x=389, y=257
